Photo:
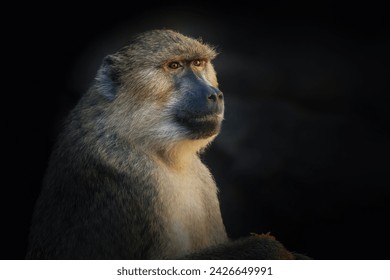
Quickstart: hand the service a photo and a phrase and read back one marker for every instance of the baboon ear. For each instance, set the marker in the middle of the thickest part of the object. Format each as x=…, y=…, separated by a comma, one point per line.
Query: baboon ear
x=108, y=78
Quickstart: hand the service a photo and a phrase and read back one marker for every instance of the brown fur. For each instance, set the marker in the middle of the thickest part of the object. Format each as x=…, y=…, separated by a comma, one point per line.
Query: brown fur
x=125, y=180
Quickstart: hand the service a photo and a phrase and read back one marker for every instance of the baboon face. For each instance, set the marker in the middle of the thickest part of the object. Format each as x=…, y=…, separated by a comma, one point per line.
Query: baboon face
x=167, y=80
x=199, y=107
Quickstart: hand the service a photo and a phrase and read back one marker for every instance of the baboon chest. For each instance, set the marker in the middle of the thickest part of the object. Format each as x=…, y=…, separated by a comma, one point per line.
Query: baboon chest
x=187, y=200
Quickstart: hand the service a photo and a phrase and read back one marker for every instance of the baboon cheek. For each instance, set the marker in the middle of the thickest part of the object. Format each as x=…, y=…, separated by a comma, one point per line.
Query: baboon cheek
x=151, y=87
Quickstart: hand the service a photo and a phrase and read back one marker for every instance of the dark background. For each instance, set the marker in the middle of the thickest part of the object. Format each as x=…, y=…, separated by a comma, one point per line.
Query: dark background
x=305, y=146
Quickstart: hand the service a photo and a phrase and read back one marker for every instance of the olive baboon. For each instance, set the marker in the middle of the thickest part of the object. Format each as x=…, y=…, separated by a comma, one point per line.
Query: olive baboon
x=125, y=180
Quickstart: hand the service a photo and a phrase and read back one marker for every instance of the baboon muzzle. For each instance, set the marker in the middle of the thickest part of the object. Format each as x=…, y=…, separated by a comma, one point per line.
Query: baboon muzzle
x=201, y=107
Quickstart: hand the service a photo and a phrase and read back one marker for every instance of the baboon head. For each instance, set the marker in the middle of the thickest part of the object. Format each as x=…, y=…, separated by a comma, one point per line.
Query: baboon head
x=162, y=90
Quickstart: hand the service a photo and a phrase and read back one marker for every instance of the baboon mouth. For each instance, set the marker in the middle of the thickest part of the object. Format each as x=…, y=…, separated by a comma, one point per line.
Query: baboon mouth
x=201, y=126
x=194, y=119
x=205, y=118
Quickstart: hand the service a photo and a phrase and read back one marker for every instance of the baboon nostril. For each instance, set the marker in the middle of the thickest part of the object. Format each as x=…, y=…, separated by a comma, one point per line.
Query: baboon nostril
x=213, y=97
x=216, y=96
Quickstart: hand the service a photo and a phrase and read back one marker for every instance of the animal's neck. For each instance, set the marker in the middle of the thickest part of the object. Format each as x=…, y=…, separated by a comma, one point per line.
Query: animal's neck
x=181, y=155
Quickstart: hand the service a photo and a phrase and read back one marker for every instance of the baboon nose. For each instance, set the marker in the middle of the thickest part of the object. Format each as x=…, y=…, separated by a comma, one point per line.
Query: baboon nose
x=215, y=96
x=215, y=101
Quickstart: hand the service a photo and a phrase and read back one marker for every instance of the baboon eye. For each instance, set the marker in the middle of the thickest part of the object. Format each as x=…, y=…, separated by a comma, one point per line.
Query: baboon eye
x=174, y=65
x=197, y=62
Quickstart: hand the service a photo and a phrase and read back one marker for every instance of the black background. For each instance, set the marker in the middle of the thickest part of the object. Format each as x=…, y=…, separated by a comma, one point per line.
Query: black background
x=304, y=151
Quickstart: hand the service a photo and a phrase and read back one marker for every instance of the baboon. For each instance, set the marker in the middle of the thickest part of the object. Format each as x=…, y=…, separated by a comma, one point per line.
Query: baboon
x=125, y=180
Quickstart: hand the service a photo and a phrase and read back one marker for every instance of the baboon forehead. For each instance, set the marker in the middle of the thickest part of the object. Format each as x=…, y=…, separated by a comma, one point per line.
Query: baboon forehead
x=161, y=45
